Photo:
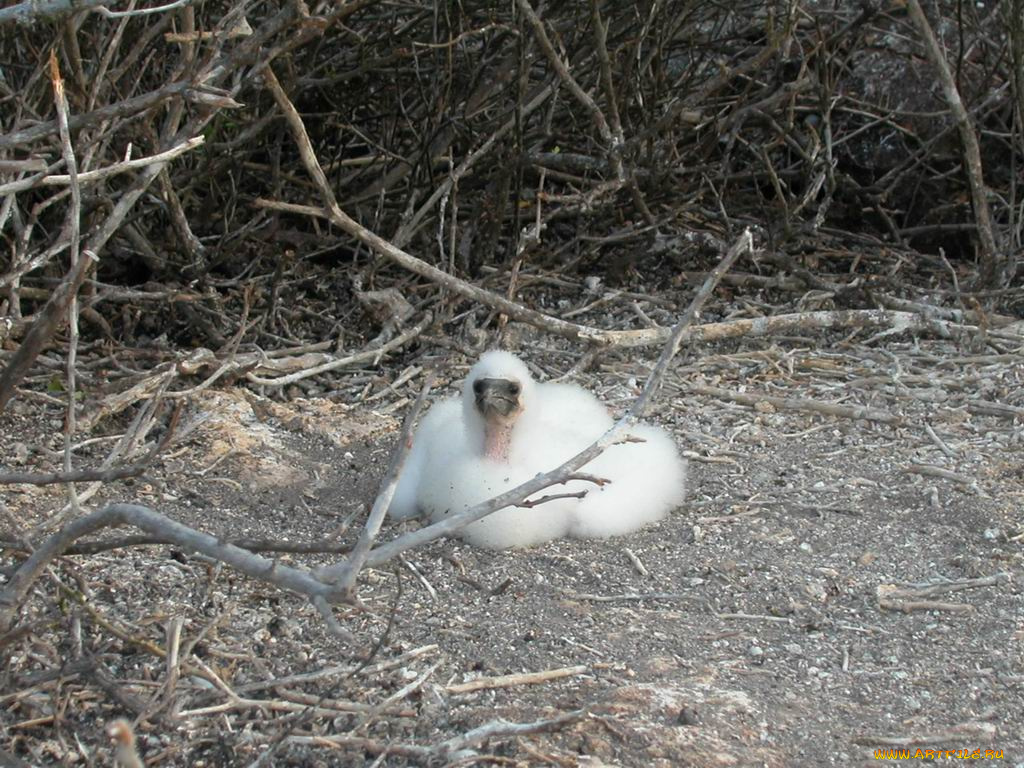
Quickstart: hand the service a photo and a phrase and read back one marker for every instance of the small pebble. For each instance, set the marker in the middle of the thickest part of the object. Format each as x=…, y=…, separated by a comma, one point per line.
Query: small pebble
x=688, y=716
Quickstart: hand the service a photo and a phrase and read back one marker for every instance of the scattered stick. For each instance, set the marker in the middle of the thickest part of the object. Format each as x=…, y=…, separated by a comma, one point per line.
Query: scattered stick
x=794, y=404
x=637, y=562
x=910, y=606
x=939, y=442
x=446, y=752
x=909, y=599
x=333, y=364
x=147, y=389
x=74, y=237
x=419, y=577
x=531, y=503
x=1001, y=410
x=241, y=704
x=500, y=728
x=509, y=681
x=733, y=518
x=929, y=470
x=338, y=671
x=957, y=735
x=406, y=690
x=941, y=588
x=627, y=598
x=173, y=662
x=755, y=617
x=341, y=705
x=74, y=476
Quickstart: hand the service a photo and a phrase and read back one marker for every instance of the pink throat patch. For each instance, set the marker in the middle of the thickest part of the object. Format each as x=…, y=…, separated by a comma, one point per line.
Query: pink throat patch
x=496, y=441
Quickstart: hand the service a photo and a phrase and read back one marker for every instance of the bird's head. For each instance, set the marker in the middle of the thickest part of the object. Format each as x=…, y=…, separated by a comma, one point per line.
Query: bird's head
x=496, y=392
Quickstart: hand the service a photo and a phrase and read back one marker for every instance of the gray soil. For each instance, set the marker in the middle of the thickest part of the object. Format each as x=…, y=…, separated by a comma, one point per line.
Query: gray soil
x=833, y=586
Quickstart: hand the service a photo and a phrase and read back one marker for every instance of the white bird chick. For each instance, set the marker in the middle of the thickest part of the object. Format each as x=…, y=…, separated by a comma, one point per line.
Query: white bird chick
x=507, y=429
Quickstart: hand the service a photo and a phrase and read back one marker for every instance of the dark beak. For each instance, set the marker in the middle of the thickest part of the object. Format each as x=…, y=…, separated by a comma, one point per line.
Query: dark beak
x=497, y=398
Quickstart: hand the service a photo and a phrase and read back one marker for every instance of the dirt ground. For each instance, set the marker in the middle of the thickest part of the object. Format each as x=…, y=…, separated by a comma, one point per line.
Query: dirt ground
x=832, y=586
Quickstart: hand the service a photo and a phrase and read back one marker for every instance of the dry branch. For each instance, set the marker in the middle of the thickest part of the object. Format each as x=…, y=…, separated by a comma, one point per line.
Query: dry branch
x=1002, y=410
x=74, y=476
x=500, y=728
x=35, y=10
x=42, y=330
x=155, y=524
x=332, y=363
x=126, y=108
x=89, y=177
x=940, y=588
x=991, y=260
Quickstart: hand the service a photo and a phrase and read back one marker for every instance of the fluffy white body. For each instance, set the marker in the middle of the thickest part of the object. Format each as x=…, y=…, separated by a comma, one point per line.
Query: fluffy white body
x=505, y=429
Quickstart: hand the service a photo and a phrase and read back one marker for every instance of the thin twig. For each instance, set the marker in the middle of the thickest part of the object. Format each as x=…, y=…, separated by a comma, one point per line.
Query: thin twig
x=349, y=569
x=74, y=221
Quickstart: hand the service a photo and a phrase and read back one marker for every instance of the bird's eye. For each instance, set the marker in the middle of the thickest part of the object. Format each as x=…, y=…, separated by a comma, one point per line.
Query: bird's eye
x=514, y=389
x=478, y=386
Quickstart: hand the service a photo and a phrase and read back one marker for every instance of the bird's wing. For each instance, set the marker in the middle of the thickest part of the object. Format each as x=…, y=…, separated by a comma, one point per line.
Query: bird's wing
x=439, y=427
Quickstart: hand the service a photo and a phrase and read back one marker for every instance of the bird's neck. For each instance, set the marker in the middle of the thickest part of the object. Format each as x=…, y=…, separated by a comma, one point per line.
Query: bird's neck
x=497, y=438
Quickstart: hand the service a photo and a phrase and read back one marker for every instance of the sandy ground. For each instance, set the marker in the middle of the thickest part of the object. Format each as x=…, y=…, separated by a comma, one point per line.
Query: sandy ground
x=832, y=587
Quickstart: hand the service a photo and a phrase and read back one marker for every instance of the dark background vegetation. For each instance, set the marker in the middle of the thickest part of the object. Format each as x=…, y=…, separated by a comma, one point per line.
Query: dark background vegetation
x=822, y=126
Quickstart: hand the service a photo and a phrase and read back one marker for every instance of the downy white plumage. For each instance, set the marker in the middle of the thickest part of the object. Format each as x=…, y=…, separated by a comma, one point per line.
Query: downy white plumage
x=505, y=429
